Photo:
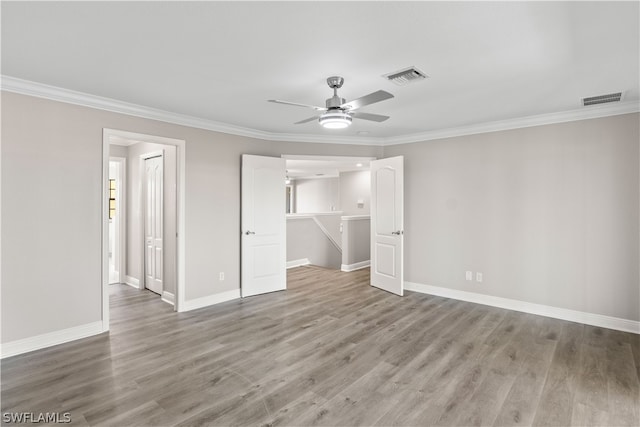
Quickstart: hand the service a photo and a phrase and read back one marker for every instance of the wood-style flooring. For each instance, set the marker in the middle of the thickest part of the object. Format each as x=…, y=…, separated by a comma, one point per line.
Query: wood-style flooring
x=333, y=351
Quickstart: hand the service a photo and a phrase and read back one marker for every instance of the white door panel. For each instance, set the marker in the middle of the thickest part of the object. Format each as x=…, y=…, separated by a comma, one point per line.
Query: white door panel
x=263, y=225
x=153, y=196
x=387, y=224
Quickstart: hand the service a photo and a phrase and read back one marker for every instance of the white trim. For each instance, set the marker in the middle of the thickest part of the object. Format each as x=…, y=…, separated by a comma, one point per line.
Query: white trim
x=194, y=304
x=109, y=135
x=351, y=159
x=25, y=87
x=104, y=210
x=584, y=113
x=168, y=297
x=355, y=217
x=326, y=233
x=355, y=266
x=132, y=281
x=311, y=215
x=298, y=263
x=49, y=339
x=529, y=307
x=40, y=90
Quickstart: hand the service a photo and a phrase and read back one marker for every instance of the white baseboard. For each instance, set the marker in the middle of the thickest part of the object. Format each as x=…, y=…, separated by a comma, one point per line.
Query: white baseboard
x=194, y=304
x=355, y=266
x=132, y=281
x=49, y=339
x=529, y=307
x=168, y=297
x=298, y=262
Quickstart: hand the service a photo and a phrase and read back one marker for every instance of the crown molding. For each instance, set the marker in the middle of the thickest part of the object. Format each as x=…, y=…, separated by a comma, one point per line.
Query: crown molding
x=585, y=113
x=40, y=90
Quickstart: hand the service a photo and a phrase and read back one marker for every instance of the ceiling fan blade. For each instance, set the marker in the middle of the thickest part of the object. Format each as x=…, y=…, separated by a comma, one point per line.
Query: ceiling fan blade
x=277, y=101
x=310, y=119
x=369, y=116
x=372, y=98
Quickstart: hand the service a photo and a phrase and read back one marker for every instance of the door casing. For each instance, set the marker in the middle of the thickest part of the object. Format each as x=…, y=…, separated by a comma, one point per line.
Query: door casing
x=114, y=136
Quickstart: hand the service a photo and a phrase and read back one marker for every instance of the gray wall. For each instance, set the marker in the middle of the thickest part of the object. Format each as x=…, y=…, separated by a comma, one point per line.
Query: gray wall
x=317, y=195
x=306, y=240
x=355, y=186
x=331, y=224
x=51, y=208
x=356, y=240
x=548, y=214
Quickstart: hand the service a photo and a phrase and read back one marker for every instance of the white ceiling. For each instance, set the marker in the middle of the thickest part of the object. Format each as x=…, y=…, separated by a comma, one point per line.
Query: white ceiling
x=221, y=61
x=306, y=167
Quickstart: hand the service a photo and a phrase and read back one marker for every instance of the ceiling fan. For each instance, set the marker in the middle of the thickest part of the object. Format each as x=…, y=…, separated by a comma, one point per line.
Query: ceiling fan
x=338, y=114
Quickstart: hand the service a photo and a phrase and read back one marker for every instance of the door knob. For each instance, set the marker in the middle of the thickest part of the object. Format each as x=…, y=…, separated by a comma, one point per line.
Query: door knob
x=250, y=232
x=397, y=233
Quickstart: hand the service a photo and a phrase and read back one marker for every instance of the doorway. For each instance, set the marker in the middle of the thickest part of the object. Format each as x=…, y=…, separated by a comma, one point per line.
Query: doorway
x=165, y=259
x=332, y=228
x=328, y=223
x=117, y=218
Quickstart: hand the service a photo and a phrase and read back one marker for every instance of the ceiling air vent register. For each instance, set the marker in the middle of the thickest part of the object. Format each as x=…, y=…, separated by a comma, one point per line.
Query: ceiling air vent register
x=406, y=76
x=602, y=99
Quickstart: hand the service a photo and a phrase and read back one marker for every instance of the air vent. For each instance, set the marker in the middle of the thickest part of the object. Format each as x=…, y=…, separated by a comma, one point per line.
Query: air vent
x=602, y=99
x=406, y=76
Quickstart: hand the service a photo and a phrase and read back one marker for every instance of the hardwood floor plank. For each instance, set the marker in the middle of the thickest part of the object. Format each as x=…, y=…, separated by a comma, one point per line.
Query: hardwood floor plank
x=437, y=364
x=473, y=372
x=623, y=388
x=285, y=415
x=520, y=404
x=556, y=403
x=592, y=386
x=331, y=350
x=358, y=404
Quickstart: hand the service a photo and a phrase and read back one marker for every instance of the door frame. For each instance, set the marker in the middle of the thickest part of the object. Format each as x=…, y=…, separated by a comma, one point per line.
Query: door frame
x=328, y=158
x=114, y=136
x=143, y=214
x=121, y=213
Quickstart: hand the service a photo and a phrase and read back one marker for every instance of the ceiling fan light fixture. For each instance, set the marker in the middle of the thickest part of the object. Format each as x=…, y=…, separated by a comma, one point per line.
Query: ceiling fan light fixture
x=335, y=120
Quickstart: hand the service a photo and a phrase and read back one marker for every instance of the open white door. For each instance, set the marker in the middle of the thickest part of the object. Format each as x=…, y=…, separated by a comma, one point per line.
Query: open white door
x=153, y=224
x=264, y=258
x=387, y=224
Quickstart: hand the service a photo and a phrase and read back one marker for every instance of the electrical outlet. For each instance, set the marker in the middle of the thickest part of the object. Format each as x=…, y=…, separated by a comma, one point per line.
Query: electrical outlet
x=221, y=276
x=479, y=277
x=469, y=275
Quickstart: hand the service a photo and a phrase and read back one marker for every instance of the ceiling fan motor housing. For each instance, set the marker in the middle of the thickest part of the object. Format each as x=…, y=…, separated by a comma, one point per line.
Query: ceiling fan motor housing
x=334, y=102
x=335, y=82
